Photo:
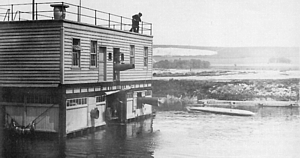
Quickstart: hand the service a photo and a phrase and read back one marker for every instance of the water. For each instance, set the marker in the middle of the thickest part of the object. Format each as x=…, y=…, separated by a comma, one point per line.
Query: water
x=273, y=132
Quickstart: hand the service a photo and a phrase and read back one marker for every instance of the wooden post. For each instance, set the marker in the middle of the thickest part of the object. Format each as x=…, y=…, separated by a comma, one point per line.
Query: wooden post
x=62, y=134
x=2, y=122
x=36, y=11
x=123, y=116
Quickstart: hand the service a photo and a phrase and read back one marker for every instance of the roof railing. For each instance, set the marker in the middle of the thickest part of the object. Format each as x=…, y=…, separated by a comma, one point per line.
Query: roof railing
x=43, y=11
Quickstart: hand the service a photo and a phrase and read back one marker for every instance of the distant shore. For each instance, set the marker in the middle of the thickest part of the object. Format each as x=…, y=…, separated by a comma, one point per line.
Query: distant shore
x=218, y=75
x=180, y=91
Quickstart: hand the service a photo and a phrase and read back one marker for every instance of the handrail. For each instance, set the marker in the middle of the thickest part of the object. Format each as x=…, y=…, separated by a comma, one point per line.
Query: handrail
x=43, y=11
x=6, y=15
x=16, y=15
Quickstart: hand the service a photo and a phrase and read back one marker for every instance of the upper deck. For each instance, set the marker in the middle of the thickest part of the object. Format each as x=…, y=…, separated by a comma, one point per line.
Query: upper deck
x=75, y=13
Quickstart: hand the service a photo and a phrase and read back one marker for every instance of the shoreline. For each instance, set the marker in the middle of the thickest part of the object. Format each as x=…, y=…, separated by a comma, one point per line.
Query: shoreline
x=219, y=75
x=259, y=92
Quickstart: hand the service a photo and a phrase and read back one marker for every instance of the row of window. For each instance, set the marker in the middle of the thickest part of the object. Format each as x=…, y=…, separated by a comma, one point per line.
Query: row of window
x=101, y=98
x=102, y=54
x=82, y=101
x=76, y=101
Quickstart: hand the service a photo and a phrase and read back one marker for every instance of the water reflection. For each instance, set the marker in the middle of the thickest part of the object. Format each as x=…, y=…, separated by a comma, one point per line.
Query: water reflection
x=273, y=132
x=116, y=140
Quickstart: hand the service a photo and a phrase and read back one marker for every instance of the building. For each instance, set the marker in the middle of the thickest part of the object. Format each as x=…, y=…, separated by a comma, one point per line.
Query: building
x=70, y=69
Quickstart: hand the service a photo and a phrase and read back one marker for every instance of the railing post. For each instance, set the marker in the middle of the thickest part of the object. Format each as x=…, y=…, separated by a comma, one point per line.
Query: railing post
x=19, y=15
x=16, y=15
x=78, y=14
x=142, y=27
x=36, y=11
x=109, y=20
x=95, y=17
x=12, y=12
x=121, y=23
x=151, y=29
x=33, y=10
x=8, y=13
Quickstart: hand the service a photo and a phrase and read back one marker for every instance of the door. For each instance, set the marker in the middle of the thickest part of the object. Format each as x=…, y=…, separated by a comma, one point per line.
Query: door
x=102, y=64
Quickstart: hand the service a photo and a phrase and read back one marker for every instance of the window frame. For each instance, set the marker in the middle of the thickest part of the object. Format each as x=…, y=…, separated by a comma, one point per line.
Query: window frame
x=72, y=103
x=93, y=53
x=132, y=54
x=76, y=53
x=146, y=53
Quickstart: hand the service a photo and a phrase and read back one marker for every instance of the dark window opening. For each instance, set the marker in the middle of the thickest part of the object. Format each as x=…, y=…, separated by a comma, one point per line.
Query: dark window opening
x=76, y=52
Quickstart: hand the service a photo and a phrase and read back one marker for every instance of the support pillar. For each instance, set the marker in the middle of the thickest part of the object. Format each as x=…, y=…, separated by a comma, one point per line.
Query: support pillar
x=62, y=134
x=2, y=122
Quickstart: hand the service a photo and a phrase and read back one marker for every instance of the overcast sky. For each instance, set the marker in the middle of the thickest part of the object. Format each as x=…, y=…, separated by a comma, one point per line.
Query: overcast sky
x=210, y=22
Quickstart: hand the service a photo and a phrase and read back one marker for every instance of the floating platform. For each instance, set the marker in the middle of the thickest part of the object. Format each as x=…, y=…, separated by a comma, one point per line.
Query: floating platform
x=224, y=111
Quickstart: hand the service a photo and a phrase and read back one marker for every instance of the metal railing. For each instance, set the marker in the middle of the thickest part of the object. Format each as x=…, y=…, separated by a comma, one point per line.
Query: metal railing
x=43, y=11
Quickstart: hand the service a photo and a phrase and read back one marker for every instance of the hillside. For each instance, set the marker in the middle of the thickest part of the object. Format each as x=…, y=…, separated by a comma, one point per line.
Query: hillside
x=232, y=56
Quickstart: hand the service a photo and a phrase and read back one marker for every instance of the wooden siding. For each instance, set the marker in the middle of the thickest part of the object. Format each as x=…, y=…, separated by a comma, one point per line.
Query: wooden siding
x=105, y=38
x=76, y=119
x=30, y=53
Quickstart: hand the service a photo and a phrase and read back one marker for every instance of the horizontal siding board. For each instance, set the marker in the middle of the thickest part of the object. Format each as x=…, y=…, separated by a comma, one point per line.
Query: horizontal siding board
x=28, y=82
x=32, y=80
x=30, y=72
x=36, y=69
x=10, y=43
x=22, y=52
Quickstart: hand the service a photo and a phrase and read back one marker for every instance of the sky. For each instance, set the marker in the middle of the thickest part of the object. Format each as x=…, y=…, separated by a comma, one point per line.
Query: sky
x=226, y=23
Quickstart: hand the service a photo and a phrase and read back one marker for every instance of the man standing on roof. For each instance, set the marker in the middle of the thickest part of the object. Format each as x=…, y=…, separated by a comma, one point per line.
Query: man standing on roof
x=136, y=19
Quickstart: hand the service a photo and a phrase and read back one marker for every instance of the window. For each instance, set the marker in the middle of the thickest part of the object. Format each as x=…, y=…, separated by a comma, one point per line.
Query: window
x=122, y=58
x=145, y=56
x=148, y=93
x=132, y=52
x=76, y=101
x=76, y=52
x=100, y=98
x=129, y=95
x=93, y=61
x=109, y=56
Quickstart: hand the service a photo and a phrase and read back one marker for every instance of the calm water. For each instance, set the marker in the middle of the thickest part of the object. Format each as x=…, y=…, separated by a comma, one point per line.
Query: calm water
x=273, y=132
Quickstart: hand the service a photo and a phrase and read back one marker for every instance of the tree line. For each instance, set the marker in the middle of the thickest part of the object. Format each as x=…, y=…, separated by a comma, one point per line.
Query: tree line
x=182, y=64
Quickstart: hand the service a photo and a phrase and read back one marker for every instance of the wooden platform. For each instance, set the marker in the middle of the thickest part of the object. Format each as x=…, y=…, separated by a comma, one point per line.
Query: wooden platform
x=224, y=111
